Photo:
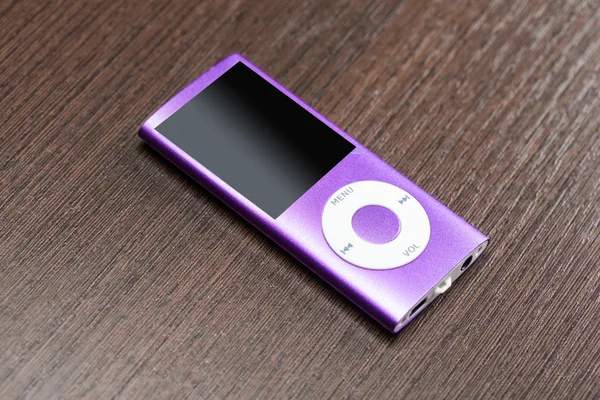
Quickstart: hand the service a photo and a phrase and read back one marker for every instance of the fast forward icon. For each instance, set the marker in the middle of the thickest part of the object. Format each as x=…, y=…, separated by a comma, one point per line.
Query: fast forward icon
x=404, y=199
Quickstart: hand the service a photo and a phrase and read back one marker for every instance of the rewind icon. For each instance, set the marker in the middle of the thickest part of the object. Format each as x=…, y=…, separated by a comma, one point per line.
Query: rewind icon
x=346, y=248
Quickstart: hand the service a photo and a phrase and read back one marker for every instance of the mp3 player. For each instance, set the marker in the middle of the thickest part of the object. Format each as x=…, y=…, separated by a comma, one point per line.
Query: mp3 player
x=364, y=228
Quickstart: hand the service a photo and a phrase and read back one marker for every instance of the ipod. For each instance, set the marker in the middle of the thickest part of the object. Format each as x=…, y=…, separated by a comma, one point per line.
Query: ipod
x=364, y=228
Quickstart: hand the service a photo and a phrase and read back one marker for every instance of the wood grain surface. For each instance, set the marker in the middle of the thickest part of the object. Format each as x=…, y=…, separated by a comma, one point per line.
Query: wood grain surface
x=120, y=277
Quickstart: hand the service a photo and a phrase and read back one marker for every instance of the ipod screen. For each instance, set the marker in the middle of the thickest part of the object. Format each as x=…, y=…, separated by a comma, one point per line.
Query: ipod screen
x=256, y=139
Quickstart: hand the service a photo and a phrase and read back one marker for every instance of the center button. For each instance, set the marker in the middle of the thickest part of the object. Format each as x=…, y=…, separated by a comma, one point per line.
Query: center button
x=376, y=224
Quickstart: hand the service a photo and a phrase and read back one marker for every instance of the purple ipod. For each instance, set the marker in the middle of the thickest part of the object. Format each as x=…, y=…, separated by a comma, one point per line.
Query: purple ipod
x=364, y=228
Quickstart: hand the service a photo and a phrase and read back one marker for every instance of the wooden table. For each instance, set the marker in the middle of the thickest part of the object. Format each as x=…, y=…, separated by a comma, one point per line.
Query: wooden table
x=120, y=277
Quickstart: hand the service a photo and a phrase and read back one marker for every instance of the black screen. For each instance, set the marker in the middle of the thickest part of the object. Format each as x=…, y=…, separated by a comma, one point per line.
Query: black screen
x=256, y=139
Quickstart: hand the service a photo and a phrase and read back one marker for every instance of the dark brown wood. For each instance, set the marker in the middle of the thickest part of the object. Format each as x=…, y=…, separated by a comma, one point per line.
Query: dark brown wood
x=120, y=277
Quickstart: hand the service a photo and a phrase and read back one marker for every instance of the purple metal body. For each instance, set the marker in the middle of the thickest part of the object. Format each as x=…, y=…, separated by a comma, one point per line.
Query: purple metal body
x=386, y=295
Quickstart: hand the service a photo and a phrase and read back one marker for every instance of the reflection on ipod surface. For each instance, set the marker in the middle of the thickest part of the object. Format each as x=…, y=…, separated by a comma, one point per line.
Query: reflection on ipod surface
x=367, y=230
